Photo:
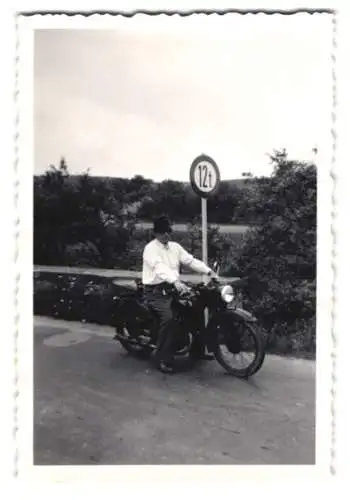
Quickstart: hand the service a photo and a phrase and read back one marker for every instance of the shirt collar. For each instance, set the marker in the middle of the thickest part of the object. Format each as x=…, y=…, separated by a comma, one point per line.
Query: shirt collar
x=161, y=245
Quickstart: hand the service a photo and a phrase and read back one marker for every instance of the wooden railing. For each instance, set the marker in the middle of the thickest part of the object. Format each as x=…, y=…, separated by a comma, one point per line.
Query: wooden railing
x=111, y=273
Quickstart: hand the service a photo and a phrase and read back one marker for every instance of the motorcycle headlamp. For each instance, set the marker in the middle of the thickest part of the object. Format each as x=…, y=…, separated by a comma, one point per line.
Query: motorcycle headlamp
x=227, y=294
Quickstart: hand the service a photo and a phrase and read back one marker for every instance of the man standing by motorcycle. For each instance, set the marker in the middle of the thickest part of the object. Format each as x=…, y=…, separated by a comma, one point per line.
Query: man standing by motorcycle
x=162, y=258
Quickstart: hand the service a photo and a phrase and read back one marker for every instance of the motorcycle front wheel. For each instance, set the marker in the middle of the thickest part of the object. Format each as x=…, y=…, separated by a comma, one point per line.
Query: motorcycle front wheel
x=241, y=352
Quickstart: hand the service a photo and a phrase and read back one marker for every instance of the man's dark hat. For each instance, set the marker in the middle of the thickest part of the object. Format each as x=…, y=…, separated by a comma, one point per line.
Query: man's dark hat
x=162, y=225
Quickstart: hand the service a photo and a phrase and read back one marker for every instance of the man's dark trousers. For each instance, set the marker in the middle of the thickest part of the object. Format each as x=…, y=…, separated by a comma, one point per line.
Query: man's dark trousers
x=158, y=297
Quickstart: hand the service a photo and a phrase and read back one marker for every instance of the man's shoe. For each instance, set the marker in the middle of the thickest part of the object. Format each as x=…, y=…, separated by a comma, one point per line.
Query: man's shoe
x=207, y=357
x=166, y=368
x=203, y=356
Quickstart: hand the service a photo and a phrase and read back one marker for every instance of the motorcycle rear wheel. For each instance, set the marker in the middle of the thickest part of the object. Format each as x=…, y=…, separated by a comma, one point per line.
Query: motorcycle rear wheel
x=144, y=351
x=258, y=360
x=136, y=350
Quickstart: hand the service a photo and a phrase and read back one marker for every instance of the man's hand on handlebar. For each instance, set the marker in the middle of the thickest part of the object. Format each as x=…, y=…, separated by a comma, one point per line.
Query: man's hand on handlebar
x=212, y=275
x=181, y=288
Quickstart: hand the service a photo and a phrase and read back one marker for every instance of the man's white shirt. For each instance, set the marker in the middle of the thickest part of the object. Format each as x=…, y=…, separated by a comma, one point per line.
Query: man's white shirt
x=162, y=262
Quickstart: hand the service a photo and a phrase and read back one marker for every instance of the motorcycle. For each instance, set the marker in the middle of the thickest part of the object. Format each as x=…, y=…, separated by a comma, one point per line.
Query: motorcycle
x=211, y=311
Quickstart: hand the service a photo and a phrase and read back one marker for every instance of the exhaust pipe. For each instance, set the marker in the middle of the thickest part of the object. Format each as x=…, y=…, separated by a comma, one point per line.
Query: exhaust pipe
x=130, y=340
x=119, y=336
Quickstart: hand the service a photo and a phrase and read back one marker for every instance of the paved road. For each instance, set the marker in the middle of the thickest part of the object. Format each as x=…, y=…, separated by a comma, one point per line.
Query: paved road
x=96, y=405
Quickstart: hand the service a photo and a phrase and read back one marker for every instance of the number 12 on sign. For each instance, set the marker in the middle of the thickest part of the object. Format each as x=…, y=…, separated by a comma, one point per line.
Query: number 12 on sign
x=205, y=177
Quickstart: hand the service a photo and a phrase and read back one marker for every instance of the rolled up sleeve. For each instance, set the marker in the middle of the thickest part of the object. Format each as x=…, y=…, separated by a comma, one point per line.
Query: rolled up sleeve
x=190, y=261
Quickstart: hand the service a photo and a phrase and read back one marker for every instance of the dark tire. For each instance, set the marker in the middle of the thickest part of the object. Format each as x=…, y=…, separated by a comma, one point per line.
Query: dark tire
x=259, y=351
x=136, y=350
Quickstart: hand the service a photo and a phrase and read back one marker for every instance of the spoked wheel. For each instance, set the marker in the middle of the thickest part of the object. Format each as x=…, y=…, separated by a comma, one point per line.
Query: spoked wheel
x=241, y=352
x=133, y=348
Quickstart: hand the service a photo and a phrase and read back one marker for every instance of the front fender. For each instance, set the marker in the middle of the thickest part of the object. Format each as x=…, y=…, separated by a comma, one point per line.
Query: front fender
x=243, y=314
x=225, y=320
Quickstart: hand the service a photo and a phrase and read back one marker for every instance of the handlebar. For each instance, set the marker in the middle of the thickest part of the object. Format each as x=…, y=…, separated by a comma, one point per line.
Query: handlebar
x=213, y=283
x=195, y=290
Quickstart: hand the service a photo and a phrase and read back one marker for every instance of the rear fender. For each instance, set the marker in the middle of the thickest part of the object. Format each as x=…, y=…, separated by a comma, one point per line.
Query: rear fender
x=133, y=310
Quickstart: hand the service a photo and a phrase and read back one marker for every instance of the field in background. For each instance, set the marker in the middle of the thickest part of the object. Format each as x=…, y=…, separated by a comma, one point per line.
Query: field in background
x=223, y=228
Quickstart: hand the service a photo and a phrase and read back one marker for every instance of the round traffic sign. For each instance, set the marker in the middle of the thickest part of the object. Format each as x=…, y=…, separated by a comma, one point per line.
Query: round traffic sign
x=204, y=176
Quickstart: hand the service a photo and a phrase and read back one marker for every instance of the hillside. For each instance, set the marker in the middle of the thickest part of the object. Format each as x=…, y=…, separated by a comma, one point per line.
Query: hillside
x=239, y=183
x=143, y=198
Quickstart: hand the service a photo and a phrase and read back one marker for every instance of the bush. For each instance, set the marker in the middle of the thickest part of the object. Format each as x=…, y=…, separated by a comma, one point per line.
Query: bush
x=219, y=246
x=82, y=254
x=75, y=297
x=297, y=339
x=279, y=255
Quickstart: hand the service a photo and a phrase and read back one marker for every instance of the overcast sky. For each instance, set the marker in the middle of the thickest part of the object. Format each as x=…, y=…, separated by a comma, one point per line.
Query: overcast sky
x=147, y=98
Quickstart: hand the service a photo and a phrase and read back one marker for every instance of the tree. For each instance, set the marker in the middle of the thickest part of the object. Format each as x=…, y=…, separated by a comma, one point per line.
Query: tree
x=49, y=219
x=279, y=255
x=222, y=206
x=72, y=210
x=167, y=197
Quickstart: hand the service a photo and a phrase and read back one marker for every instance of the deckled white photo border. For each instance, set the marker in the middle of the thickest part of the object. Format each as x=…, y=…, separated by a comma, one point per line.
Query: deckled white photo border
x=26, y=470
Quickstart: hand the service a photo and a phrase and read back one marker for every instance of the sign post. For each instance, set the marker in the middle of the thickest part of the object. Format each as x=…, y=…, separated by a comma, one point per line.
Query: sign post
x=204, y=231
x=205, y=180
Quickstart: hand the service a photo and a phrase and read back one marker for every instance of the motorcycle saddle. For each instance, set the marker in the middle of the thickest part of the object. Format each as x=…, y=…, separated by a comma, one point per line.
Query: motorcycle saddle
x=132, y=285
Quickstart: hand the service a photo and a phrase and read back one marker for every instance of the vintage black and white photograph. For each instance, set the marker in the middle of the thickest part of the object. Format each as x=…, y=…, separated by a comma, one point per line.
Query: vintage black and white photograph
x=180, y=198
